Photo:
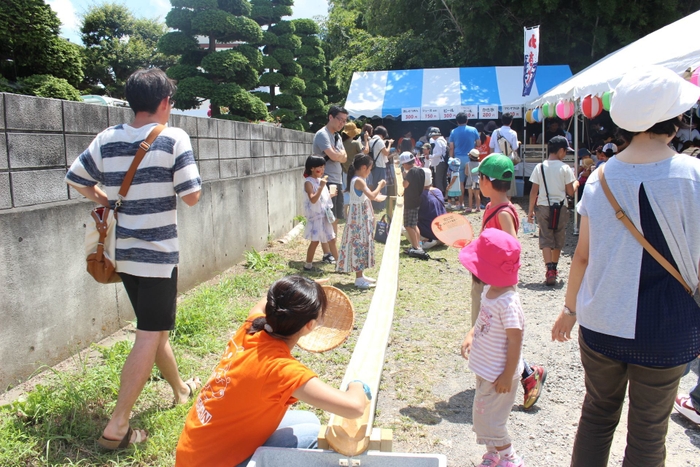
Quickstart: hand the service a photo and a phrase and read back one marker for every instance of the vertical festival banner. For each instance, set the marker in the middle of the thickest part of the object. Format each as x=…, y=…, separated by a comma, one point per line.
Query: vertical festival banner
x=532, y=52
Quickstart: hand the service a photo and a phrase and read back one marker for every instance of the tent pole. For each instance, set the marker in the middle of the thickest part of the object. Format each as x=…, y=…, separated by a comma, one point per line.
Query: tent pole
x=544, y=143
x=576, y=165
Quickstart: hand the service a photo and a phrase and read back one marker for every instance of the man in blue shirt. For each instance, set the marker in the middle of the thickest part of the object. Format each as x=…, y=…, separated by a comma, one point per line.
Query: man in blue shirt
x=463, y=139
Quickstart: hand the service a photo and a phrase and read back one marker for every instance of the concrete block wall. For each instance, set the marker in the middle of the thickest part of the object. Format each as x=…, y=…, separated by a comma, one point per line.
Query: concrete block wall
x=49, y=306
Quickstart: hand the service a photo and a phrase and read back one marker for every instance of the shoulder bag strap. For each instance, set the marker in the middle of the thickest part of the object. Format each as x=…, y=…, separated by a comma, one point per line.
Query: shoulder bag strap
x=140, y=154
x=621, y=215
x=544, y=180
x=371, y=149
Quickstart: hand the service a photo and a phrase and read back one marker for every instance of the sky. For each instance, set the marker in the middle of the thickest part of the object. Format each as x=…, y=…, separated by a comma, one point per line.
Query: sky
x=69, y=11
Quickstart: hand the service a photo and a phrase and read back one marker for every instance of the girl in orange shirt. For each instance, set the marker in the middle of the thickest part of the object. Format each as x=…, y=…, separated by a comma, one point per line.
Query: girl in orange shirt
x=244, y=404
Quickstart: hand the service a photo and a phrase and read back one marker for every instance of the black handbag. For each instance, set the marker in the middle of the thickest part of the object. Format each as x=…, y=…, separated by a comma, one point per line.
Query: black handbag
x=554, y=209
x=381, y=231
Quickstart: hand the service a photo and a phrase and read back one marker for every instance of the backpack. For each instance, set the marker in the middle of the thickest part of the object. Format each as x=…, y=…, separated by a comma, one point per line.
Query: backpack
x=506, y=148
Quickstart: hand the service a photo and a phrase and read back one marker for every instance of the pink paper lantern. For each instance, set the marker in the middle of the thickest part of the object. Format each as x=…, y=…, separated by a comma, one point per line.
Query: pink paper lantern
x=591, y=106
x=565, y=110
x=695, y=77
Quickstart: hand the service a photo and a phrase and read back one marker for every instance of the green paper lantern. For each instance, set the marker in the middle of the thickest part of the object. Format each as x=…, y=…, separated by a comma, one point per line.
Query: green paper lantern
x=607, y=96
x=548, y=110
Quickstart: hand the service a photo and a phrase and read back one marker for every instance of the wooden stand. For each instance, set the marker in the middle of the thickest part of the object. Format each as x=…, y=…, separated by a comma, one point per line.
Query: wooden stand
x=381, y=439
x=353, y=437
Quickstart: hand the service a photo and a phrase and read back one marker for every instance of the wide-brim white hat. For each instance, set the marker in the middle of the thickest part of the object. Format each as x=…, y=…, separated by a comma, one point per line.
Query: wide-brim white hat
x=648, y=95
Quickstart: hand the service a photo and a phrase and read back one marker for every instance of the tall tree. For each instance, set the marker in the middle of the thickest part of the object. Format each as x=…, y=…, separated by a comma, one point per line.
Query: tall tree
x=282, y=70
x=224, y=76
x=389, y=35
x=117, y=44
x=29, y=43
x=313, y=62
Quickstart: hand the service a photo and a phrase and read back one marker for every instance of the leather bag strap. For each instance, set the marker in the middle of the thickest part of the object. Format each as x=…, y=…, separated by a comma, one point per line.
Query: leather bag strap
x=621, y=215
x=140, y=154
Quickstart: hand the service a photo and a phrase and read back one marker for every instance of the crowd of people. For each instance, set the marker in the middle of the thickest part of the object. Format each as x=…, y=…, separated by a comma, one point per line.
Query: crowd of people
x=638, y=331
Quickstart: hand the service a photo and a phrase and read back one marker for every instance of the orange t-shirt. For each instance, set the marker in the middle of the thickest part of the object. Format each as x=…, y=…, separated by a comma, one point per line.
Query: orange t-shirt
x=243, y=402
x=485, y=149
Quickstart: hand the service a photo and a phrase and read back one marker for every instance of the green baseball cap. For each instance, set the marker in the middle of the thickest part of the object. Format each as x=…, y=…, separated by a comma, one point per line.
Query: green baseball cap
x=496, y=167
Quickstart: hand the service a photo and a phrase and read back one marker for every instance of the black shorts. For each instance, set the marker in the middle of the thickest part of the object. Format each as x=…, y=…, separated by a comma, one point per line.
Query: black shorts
x=338, y=201
x=154, y=300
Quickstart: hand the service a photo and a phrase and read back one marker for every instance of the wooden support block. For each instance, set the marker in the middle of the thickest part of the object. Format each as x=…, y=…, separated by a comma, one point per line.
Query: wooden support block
x=375, y=440
x=387, y=440
x=352, y=437
x=322, y=441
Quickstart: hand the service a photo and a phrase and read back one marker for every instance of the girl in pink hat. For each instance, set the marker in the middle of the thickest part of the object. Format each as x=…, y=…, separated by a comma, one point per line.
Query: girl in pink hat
x=494, y=345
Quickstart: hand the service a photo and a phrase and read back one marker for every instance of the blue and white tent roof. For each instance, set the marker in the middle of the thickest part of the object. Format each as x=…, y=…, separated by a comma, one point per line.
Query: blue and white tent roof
x=390, y=93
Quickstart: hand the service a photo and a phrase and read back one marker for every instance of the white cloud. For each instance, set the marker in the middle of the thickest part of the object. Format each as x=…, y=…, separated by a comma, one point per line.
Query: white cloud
x=69, y=19
x=159, y=8
x=309, y=8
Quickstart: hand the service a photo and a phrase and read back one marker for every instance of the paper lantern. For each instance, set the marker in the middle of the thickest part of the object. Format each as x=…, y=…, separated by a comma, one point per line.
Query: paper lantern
x=591, y=106
x=528, y=117
x=695, y=77
x=537, y=115
x=565, y=110
x=548, y=110
x=607, y=96
x=697, y=111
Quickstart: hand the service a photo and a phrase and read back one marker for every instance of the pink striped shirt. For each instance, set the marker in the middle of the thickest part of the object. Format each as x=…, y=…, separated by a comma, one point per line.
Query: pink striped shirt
x=487, y=357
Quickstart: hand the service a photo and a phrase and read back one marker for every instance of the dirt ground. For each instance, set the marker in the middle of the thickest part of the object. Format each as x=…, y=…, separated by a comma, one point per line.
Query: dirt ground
x=427, y=398
x=426, y=391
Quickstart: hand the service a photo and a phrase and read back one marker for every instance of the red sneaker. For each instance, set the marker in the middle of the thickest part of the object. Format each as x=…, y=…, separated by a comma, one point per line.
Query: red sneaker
x=551, y=277
x=532, y=386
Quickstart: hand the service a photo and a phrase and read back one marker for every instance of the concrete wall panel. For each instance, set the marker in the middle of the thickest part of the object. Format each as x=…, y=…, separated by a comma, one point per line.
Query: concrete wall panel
x=228, y=168
x=2, y=110
x=189, y=124
x=79, y=117
x=207, y=128
x=242, y=149
x=244, y=167
x=38, y=186
x=209, y=170
x=208, y=149
x=257, y=149
x=5, y=192
x=226, y=129
x=33, y=113
x=118, y=115
x=75, y=145
x=227, y=148
x=3, y=151
x=243, y=130
x=31, y=150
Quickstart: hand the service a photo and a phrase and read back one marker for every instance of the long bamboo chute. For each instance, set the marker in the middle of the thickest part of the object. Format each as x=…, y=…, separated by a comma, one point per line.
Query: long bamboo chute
x=351, y=437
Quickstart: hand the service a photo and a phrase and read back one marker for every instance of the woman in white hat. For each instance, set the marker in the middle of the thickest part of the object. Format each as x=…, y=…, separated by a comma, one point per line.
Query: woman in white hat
x=638, y=325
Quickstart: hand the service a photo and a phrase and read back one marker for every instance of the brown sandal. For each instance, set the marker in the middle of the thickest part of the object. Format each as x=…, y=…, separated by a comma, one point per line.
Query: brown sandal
x=113, y=444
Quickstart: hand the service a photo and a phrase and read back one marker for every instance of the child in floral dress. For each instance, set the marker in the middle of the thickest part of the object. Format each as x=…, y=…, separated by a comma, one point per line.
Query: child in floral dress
x=318, y=209
x=357, y=246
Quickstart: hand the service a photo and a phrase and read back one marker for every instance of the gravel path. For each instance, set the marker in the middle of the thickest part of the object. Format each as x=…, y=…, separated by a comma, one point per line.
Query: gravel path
x=427, y=391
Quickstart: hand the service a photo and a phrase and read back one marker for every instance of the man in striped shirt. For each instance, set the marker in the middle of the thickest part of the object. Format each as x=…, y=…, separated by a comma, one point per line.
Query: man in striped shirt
x=147, y=252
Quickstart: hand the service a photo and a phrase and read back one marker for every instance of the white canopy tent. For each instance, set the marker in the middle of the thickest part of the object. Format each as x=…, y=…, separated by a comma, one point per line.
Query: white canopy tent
x=673, y=46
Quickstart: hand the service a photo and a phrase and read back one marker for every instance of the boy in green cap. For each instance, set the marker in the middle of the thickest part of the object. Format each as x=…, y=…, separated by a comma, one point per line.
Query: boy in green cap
x=496, y=172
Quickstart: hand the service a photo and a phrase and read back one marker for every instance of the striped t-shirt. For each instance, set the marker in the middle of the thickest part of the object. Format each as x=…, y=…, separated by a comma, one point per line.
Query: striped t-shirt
x=487, y=357
x=147, y=244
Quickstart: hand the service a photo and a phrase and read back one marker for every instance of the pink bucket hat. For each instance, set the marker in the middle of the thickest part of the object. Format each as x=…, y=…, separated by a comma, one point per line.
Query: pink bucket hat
x=494, y=257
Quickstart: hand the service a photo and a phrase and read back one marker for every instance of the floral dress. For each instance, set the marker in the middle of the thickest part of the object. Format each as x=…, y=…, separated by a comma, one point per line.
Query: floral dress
x=318, y=229
x=357, y=247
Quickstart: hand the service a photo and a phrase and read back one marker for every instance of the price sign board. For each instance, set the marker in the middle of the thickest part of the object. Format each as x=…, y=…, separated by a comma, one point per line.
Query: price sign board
x=514, y=110
x=430, y=113
x=488, y=111
x=411, y=114
x=450, y=113
x=472, y=111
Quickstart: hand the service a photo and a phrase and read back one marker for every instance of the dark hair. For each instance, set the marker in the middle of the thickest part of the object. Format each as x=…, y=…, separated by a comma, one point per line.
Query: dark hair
x=334, y=110
x=361, y=160
x=498, y=185
x=367, y=128
x=461, y=118
x=381, y=131
x=146, y=89
x=667, y=127
x=507, y=118
x=292, y=302
x=311, y=163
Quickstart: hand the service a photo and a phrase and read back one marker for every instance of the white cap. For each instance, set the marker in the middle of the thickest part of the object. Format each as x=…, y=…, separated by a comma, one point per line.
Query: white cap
x=406, y=157
x=428, y=177
x=648, y=95
x=611, y=146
